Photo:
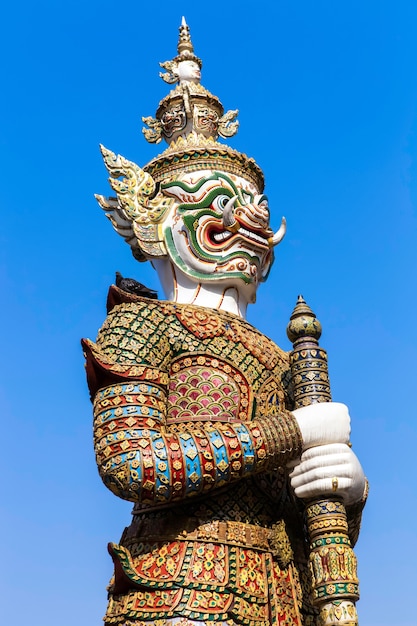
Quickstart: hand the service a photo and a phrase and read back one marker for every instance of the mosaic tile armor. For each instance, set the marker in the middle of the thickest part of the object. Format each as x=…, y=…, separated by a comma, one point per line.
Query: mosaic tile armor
x=188, y=403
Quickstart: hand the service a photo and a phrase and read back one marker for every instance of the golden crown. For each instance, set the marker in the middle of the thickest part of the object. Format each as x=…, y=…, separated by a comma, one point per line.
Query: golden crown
x=190, y=119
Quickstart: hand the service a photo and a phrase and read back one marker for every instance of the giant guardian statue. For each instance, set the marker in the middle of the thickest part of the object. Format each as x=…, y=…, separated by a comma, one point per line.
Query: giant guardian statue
x=247, y=495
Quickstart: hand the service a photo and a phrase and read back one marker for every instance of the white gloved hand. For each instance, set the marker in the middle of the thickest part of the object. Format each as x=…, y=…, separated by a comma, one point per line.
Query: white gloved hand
x=325, y=467
x=324, y=422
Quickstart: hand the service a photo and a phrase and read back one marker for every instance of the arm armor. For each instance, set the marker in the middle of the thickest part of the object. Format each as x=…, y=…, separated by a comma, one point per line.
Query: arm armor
x=144, y=457
x=140, y=460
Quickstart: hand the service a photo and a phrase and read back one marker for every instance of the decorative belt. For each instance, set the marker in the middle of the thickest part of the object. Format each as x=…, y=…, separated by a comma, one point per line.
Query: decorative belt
x=241, y=534
x=236, y=533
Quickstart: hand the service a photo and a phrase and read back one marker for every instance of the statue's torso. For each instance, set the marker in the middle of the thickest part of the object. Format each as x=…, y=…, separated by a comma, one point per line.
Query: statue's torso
x=227, y=554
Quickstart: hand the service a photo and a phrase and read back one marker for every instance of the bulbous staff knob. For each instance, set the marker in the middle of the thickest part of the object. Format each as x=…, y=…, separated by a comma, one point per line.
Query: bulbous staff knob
x=303, y=323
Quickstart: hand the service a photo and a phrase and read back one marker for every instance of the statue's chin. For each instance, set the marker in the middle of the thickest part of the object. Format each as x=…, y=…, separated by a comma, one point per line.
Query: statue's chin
x=199, y=272
x=230, y=293
x=242, y=288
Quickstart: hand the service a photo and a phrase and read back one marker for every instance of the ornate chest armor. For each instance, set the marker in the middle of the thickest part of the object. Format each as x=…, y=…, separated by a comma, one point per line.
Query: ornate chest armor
x=216, y=384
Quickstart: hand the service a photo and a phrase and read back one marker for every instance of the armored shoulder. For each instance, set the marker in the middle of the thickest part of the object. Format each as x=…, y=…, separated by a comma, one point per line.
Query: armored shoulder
x=132, y=344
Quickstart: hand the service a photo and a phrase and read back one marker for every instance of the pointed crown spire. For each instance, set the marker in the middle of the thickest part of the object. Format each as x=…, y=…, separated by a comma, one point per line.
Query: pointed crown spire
x=191, y=119
x=185, y=47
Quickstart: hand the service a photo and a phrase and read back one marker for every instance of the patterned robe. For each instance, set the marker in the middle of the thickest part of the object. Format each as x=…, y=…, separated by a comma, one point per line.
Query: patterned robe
x=192, y=423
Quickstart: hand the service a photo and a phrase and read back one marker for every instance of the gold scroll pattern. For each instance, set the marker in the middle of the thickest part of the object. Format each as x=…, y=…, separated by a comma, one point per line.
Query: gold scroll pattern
x=332, y=560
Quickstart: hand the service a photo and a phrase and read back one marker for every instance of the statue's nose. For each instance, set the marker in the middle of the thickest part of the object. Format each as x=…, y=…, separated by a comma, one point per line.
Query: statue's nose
x=254, y=214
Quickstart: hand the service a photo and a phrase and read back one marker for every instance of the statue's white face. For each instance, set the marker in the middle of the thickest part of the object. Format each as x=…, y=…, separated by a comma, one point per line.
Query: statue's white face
x=189, y=71
x=218, y=230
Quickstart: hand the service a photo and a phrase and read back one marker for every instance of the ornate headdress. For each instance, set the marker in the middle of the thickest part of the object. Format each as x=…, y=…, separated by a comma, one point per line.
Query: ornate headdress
x=191, y=119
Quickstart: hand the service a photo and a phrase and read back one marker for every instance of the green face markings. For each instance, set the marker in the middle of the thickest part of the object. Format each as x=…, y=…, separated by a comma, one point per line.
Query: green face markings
x=198, y=241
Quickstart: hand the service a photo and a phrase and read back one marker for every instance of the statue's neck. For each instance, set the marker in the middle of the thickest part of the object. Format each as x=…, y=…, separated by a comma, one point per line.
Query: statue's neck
x=179, y=288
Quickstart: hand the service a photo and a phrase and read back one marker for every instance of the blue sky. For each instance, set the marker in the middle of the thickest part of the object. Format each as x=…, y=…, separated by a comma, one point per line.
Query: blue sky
x=327, y=93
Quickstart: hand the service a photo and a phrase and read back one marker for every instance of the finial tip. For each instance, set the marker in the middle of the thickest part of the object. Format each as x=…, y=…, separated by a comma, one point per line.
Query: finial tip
x=185, y=47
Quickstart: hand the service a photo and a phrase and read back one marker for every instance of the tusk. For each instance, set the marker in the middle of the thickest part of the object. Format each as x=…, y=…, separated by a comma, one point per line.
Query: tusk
x=229, y=221
x=279, y=235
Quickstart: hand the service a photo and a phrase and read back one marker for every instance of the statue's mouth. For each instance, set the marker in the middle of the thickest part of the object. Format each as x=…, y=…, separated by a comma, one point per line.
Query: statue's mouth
x=219, y=237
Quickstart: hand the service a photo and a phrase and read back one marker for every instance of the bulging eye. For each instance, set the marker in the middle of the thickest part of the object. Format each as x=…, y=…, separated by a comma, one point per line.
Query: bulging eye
x=262, y=201
x=220, y=202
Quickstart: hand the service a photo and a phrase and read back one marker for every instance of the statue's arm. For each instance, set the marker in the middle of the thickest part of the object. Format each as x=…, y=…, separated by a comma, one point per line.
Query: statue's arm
x=138, y=456
x=139, y=459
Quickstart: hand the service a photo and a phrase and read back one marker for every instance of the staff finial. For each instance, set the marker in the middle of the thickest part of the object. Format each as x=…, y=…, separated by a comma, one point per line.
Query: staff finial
x=303, y=323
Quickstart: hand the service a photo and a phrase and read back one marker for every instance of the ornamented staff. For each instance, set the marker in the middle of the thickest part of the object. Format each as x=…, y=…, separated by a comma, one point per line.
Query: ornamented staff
x=332, y=561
